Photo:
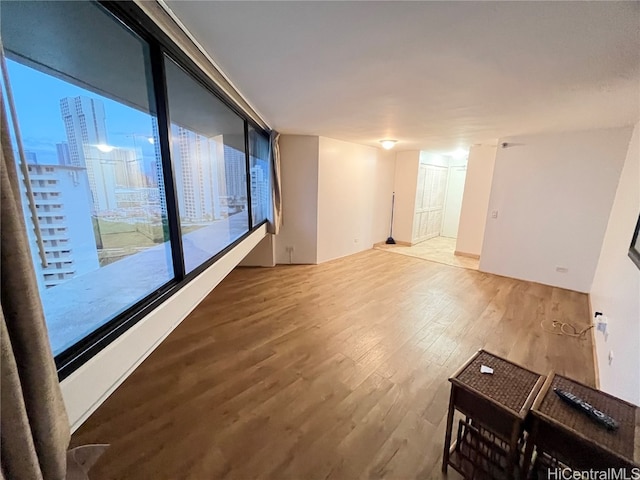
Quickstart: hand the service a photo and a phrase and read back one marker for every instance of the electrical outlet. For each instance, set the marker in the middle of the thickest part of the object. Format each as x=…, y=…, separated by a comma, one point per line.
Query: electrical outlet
x=562, y=269
x=494, y=214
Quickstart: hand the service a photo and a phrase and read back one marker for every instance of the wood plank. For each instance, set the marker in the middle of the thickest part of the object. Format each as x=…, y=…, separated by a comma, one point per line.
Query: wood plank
x=324, y=371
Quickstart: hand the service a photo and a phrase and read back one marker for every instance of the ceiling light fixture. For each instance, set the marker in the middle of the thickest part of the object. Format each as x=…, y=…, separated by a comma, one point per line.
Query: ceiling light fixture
x=388, y=144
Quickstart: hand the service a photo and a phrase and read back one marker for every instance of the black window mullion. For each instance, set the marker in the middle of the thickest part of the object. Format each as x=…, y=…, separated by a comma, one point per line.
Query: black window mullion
x=248, y=169
x=164, y=132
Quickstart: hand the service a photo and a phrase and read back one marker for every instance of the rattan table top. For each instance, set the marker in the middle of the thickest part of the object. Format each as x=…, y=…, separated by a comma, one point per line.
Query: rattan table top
x=510, y=385
x=620, y=441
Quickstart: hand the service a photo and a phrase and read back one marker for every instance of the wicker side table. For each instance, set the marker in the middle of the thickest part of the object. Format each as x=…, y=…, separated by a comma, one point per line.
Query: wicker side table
x=495, y=407
x=566, y=438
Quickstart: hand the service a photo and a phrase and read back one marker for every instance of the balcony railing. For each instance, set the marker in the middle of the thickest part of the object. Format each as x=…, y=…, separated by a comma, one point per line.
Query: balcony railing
x=40, y=176
x=53, y=270
x=46, y=189
x=56, y=248
x=57, y=236
x=49, y=214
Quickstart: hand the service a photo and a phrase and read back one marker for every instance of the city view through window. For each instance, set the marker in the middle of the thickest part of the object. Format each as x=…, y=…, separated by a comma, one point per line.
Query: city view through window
x=259, y=155
x=96, y=175
x=208, y=152
x=109, y=238
x=93, y=171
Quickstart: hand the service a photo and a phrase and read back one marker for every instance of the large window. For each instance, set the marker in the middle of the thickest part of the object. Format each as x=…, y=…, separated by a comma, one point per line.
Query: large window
x=209, y=161
x=93, y=168
x=135, y=173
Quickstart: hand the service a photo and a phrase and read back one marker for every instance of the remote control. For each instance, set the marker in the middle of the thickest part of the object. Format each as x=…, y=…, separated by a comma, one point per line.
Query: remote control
x=576, y=402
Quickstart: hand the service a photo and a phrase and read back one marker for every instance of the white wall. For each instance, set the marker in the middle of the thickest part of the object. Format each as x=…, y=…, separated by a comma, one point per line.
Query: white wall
x=299, y=167
x=262, y=255
x=355, y=184
x=553, y=194
x=405, y=183
x=475, y=199
x=456, y=178
x=616, y=286
x=89, y=386
x=384, y=179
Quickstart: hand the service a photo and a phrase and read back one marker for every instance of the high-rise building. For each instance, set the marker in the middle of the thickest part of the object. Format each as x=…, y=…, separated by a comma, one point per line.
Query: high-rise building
x=158, y=167
x=64, y=218
x=128, y=168
x=64, y=158
x=197, y=160
x=260, y=198
x=235, y=172
x=101, y=172
x=84, y=122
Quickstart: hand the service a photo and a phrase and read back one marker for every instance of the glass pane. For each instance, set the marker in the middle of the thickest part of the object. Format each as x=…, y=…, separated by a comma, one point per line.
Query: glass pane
x=93, y=163
x=208, y=154
x=260, y=168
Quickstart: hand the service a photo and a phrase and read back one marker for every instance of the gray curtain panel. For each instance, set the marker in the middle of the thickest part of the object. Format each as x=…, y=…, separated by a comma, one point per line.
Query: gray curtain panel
x=34, y=425
x=275, y=221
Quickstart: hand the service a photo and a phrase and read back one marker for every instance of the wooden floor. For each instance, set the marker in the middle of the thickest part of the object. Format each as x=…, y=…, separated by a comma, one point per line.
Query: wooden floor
x=336, y=371
x=436, y=249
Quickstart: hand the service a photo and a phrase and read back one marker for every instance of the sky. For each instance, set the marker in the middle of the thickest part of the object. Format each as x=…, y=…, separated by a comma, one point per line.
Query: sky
x=37, y=98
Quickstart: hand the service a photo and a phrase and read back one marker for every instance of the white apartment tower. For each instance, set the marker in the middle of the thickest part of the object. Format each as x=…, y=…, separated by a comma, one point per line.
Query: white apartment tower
x=60, y=197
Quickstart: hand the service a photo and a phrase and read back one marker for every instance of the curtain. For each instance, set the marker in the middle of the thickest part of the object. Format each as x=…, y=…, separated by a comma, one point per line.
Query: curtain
x=275, y=220
x=34, y=425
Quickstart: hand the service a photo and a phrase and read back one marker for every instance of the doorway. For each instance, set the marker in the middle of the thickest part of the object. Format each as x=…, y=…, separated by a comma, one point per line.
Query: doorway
x=438, y=203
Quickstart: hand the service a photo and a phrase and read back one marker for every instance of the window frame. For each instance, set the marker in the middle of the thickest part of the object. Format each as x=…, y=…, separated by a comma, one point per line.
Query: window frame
x=134, y=19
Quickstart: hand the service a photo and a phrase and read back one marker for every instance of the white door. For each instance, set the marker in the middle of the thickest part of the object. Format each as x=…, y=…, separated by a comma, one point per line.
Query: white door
x=430, y=198
x=453, y=201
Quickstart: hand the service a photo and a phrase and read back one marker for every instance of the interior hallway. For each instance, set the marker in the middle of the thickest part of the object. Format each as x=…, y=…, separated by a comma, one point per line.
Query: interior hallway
x=436, y=249
x=331, y=371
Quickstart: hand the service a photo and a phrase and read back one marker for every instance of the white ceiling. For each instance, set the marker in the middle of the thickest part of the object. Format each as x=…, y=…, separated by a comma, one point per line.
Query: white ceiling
x=437, y=76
